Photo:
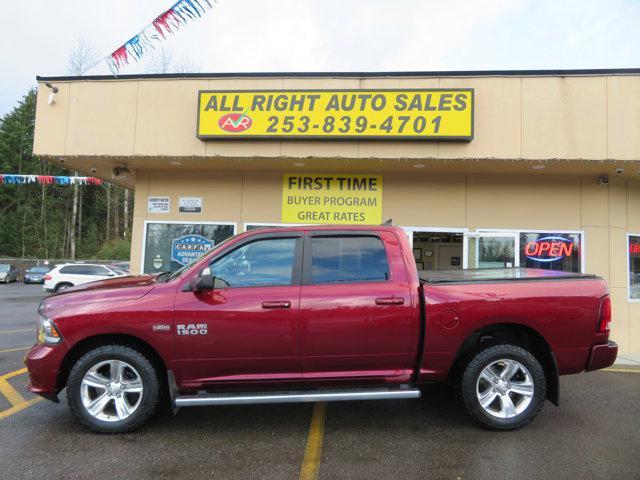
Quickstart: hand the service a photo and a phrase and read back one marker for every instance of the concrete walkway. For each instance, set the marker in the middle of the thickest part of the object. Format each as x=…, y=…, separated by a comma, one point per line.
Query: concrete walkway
x=628, y=360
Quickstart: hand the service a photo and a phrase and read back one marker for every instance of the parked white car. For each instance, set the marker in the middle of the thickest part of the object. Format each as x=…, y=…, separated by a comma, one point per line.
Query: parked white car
x=72, y=274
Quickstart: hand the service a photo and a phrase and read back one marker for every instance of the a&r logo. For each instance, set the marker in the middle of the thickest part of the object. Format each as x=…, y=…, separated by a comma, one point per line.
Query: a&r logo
x=235, y=122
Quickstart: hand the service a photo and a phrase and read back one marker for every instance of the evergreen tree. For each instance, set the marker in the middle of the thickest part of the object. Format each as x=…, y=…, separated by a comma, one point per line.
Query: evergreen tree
x=35, y=220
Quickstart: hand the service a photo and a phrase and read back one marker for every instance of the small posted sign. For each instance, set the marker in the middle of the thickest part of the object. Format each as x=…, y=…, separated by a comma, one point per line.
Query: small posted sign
x=158, y=204
x=190, y=205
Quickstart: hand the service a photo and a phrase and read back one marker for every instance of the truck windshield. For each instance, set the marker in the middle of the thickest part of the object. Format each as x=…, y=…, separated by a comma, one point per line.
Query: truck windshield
x=4, y=268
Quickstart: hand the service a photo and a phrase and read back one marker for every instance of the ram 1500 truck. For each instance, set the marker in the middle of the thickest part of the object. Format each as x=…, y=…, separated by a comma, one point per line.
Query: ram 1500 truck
x=318, y=314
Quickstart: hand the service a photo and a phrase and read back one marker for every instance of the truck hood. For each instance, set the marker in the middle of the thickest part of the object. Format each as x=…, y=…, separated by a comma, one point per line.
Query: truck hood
x=109, y=290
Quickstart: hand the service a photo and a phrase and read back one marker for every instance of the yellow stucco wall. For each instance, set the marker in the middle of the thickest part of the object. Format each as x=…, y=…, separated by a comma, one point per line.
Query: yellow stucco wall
x=533, y=117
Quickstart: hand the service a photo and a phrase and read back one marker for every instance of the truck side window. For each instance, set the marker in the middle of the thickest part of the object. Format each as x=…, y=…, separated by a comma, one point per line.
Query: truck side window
x=348, y=260
x=261, y=263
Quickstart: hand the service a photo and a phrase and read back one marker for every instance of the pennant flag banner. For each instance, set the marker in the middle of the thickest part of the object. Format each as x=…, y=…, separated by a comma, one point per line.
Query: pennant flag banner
x=11, y=179
x=167, y=22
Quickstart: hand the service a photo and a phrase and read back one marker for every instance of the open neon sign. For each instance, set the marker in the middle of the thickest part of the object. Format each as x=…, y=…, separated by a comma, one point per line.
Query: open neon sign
x=549, y=249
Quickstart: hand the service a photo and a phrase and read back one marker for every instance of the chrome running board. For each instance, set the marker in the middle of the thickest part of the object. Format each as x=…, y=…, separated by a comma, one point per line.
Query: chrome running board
x=294, y=396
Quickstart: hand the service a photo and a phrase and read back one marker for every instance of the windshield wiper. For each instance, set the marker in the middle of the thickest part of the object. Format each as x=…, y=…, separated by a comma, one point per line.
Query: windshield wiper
x=162, y=277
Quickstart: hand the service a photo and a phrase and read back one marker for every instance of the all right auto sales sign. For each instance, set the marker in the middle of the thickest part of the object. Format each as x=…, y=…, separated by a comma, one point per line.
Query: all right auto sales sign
x=356, y=114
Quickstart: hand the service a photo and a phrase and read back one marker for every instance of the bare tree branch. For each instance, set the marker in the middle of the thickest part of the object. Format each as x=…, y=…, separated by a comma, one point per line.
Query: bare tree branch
x=81, y=57
x=186, y=65
x=161, y=60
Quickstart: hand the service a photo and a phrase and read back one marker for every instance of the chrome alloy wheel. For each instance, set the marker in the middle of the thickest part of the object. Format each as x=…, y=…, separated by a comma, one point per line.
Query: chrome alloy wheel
x=504, y=388
x=111, y=390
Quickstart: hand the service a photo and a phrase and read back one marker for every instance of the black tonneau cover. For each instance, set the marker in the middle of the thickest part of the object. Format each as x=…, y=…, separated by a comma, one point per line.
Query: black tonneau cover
x=476, y=275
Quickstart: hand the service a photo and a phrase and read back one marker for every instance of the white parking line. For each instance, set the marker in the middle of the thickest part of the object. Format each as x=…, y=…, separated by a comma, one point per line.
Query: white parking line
x=18, y=331
x=14, y=349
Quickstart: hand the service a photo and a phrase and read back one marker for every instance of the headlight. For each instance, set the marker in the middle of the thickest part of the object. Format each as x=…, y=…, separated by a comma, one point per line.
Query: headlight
x=47, y=332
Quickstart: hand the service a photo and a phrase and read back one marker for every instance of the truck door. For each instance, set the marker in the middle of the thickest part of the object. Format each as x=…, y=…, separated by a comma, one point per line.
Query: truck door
x=246, y=329
x=356, y=313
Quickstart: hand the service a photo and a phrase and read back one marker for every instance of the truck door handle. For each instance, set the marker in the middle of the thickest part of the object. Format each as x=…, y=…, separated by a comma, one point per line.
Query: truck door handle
x=390, y=301
x=281, y=304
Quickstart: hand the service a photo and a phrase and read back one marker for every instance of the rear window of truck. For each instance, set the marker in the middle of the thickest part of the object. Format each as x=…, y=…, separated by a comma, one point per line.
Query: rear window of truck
x=348, y=260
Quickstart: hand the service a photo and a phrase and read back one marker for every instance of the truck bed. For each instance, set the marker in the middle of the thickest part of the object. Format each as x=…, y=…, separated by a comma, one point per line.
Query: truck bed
x=493, y=275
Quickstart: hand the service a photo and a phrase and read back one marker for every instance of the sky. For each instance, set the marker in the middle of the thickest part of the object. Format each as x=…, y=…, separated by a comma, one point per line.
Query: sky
x=326, y=35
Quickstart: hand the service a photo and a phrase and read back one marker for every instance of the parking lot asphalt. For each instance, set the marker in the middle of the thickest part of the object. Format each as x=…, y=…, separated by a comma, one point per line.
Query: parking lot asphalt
x=594, y=434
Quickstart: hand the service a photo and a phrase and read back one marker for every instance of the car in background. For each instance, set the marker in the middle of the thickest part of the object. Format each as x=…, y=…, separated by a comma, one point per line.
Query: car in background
x=36, y=274
x=71, y=274
x=124, y=266
x=8, y=273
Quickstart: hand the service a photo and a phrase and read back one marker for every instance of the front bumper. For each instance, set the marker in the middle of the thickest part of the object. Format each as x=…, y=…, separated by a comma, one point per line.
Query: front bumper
x=602, y=356
x=43, y=363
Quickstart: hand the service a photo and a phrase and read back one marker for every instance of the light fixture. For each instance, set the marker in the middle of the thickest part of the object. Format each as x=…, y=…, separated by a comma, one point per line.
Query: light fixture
x=121, y=171
x=419, y=165
x=175, y=162
x=299, y=164
x=52, y=93
x=539, y=167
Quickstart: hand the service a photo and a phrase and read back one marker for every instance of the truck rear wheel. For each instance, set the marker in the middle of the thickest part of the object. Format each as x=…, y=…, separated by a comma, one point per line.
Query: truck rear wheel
x=113, y=389
x=503, y=387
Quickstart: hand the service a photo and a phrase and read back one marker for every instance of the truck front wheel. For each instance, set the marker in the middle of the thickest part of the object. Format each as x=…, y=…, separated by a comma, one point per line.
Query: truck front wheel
x=503, y=387
x=113, y=389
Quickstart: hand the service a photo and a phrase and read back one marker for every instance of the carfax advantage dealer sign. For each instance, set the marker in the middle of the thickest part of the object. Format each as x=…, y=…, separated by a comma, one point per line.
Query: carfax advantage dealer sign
x=420, y=114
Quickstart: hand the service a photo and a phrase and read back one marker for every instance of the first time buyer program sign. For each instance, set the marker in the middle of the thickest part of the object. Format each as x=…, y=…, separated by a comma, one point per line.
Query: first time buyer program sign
x=417, y=114
x=336, y=199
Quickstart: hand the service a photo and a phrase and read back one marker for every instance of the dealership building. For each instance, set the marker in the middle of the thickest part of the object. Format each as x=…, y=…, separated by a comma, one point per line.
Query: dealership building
x=535, y=169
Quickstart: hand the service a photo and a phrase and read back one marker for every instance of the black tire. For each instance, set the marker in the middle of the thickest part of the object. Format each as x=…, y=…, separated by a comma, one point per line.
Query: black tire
x=62, y=286
x=148, y=375
x=471, y=377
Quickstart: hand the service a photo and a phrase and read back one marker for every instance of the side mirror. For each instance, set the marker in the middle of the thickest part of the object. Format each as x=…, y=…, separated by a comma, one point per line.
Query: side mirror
x=204, y=282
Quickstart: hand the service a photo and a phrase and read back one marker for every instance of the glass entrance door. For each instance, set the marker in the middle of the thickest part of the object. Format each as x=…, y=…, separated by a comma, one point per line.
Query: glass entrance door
x=491, y=250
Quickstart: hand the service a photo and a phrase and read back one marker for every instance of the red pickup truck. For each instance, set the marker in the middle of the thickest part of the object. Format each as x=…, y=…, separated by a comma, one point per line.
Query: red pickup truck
x=318, y=314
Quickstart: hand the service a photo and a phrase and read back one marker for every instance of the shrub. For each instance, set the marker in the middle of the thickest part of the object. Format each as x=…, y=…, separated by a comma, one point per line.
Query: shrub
x=116, y=249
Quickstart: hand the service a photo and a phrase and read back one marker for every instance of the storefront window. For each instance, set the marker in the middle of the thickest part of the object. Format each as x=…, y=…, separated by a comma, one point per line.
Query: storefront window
x=496, y=252
x=170, y=246
x=634, y=267
x=551, y=251
x=256, y=226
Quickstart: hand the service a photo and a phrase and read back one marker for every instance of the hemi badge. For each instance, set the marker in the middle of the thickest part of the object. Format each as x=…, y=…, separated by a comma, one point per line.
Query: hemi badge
x=161, y=327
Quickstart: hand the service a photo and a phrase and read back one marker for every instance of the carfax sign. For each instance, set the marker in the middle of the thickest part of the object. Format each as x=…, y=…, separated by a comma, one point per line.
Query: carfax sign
x=186, y=249
x=420, y=114
x=336, y=199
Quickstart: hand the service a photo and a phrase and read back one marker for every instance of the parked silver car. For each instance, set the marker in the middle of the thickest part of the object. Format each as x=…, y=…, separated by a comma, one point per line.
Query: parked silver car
x=8, y=273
